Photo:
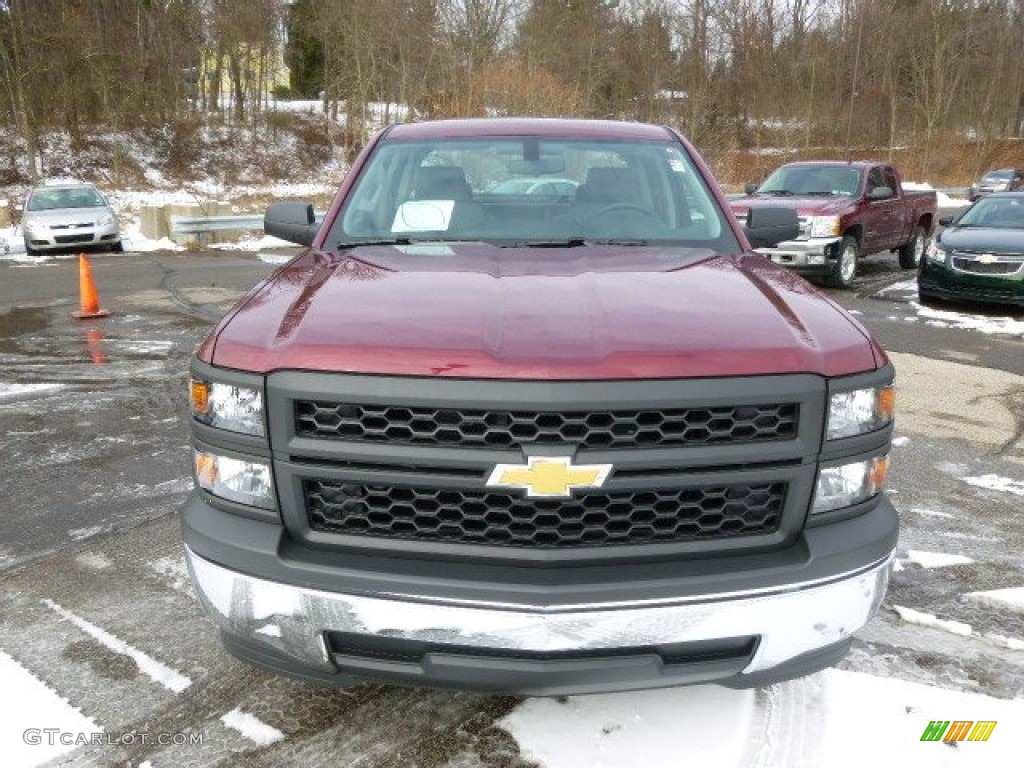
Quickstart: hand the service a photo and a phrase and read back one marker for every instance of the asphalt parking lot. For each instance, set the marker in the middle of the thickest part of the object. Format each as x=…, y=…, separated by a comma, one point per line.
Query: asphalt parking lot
x=95, y=604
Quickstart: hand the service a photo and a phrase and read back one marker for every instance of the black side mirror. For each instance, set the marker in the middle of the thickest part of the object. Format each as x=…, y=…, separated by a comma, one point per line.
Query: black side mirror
x=291, y=221
x=771, y=225
x=880, y=193
x=750, y=189
x=945, y=221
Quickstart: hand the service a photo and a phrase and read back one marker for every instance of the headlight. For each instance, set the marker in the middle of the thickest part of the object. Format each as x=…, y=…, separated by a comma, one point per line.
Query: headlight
x=105, y=220
x=860, y=410
x=226, y=406
x=935, y=252
x=35, y=226
x=823, y=226
x=849, y=484
x=247, y=482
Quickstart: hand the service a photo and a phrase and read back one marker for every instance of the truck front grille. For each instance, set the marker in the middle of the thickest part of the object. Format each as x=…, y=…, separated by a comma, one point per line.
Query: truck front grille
x=589, y=519
x=504, y=428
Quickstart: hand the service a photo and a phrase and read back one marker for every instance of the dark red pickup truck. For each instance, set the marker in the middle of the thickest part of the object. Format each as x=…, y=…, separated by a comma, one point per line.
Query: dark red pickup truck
x=541, y=438
x=847, y=210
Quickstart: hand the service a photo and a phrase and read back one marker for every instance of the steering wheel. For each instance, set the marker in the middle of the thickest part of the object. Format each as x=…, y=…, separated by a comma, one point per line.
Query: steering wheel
x=622, y=206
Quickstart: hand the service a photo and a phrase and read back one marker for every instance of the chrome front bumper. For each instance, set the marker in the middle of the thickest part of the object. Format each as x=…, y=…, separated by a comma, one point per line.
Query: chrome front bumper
x=812, y=253
x=292, y=622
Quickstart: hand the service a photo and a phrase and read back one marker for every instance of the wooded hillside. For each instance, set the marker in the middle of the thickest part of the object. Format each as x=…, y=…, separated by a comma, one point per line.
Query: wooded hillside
x=731, y=74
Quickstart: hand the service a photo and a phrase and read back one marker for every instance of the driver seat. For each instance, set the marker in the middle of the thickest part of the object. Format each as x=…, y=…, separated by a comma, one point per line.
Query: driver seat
x=606, y=186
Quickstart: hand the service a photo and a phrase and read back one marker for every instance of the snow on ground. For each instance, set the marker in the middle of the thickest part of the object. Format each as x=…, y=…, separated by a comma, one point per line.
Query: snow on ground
x=997, y=483
x=911, y=616
x=989, y=324
x=835, y=718
x=252, y=727
x=1012, y=598
x=27, y=706
x=944, y=200
x=935, y=559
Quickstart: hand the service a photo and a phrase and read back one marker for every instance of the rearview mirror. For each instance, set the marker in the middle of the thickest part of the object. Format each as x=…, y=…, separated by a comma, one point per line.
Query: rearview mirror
x=771, y=225
x=750, y=189
x=880, y=193
x=945, y=221
x=291, y=221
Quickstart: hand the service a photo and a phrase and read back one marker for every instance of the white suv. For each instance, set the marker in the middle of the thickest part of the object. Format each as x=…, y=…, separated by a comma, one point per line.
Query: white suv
x=69, y=215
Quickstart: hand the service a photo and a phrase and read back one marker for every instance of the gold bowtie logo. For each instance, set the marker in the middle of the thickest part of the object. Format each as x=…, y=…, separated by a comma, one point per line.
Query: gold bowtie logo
x=551, y=477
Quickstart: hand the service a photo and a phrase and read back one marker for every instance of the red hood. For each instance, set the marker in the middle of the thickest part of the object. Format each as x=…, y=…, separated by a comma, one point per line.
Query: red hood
x=804, y=206
x=599, y=312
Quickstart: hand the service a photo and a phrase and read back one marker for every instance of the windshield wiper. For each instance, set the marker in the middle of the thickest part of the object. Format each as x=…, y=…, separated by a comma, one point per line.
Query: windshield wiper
x=569, y=242
x=627, y=241
x=378, y=241
x=774, y=192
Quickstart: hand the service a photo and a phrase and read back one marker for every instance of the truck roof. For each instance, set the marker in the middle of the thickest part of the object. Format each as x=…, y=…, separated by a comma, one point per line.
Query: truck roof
x=529, y=126
x=860, y=164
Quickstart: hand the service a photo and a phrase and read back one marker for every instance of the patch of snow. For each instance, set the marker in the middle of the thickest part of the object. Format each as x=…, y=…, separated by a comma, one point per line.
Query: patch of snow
x=900, y=441
x=252, y=727
x=997, y=483
x=275, y=258
x=153, y=669
x=249, y=243
x=78, y=534
x=803, y=722
x=175, y=572
x=911, y=616
x=94, y=560
x=10, y=392
x=935, y=559
x=987, y=324
x=1012, y=598
x=1007, y=642
x=930, y=512
x=28, y=706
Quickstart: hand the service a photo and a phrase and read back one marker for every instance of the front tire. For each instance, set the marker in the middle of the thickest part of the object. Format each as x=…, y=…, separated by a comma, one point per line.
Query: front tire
x=845, y=267
x=911, y=252
x=29, y=249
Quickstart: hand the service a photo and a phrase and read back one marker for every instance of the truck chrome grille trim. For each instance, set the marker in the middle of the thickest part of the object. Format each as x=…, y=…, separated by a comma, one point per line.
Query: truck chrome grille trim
x=589, y=429
x=504, y=519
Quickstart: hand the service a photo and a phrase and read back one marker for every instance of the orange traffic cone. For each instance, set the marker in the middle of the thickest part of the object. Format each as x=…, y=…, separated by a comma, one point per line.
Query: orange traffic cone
x=90, y=299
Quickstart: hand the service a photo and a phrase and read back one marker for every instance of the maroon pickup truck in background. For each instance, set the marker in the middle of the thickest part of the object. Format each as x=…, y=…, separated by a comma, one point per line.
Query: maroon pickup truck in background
x=847, y=210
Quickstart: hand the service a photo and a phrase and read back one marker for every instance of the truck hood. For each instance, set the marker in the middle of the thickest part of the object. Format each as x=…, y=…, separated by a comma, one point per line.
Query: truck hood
x=804, y=206
x=593, y=312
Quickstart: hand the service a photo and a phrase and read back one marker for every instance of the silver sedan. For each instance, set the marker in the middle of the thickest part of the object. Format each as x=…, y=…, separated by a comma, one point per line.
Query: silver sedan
x=69, y=216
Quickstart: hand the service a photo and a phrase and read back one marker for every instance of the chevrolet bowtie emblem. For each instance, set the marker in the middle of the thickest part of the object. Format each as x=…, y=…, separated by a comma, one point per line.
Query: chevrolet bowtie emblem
x=549, y=476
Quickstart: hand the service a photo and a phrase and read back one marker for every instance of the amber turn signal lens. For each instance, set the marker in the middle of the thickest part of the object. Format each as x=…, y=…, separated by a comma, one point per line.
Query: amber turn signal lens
x=206, y=469
x=879, y=472
x=887, y=403
x=200, y=397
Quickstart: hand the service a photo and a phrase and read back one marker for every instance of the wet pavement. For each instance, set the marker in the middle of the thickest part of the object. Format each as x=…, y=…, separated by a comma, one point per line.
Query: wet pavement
x=95, y=601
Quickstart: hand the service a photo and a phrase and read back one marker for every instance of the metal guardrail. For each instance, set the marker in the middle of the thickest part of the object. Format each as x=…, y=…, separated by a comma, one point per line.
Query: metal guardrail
x=197, y=225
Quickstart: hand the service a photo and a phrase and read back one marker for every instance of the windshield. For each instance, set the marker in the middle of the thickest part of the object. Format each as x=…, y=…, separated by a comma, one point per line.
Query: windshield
x=812, y=180
x=997, y=212
x=75, y=197
x=997, y=176
x=532, y=191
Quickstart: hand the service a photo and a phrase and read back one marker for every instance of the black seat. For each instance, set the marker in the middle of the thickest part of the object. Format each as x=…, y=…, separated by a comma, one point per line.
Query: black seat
x=448, y=182
x=608, y=186
x=442, y=182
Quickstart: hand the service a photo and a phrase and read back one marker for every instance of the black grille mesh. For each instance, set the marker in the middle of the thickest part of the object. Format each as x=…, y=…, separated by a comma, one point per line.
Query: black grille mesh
x=590, y=429
x=590, y=519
